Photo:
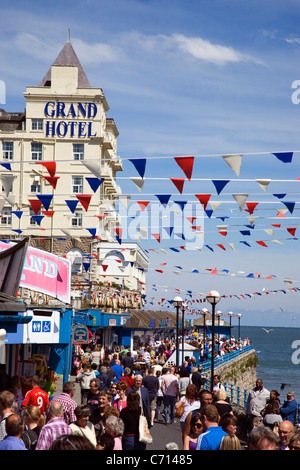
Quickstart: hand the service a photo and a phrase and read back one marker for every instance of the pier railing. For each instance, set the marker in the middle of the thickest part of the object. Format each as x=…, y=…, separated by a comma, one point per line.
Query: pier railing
x=220, y=360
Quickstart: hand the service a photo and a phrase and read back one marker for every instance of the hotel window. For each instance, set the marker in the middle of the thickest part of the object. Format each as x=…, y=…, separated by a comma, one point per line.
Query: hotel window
x=35, y=187
x=37, y=124
x=36, y=151
x=6, y=216
x=7, y=150
x=77, y=184
x=78, y=151
x=76, y=220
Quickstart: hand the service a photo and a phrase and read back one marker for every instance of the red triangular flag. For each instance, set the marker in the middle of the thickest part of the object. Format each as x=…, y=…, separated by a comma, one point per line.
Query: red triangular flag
x=191, y=219
x=84, y=199
x=203, y=199
x=292, y=231
x=276, y=225
x=159, y=270
x=51, y=180
x=179, y=182
x=100, y=216
x=104, y=267
x=51, y=167
x=143, y=204
x=221, y=246
x=186, y=164
x=223, y=232
x=35, y=204
x=262, y=243
x=214, y=271
x=251, y=206
x=48, y=213
x=118, y=231
x=156, y=236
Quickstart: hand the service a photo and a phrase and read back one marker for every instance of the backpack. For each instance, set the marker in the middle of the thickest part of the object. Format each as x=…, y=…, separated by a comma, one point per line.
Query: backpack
x=30, y=438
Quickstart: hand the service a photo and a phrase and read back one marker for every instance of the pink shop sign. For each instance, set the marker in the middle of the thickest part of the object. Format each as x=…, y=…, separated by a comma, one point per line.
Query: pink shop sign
x=45, y=272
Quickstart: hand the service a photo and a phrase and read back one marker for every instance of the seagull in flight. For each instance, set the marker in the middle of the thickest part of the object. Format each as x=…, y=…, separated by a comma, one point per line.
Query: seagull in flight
x=267, y=331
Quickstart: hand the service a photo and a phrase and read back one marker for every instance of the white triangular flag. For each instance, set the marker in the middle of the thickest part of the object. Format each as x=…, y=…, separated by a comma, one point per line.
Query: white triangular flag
x=240, y=199
x=214, y=204
x=269, y=231
x=7, y=181
x=94, y=167
x=124, y=200
x=139, y=182
x=263, y=184
x=234, y=161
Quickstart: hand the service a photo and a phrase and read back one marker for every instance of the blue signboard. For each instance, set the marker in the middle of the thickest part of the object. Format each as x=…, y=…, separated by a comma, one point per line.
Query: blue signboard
x=80, y=335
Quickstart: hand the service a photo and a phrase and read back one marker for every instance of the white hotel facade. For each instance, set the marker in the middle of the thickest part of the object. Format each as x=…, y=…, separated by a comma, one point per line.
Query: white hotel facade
x=62, y=151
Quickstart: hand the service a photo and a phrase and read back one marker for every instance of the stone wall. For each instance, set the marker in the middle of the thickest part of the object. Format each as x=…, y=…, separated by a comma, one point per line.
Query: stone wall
x=240, y=372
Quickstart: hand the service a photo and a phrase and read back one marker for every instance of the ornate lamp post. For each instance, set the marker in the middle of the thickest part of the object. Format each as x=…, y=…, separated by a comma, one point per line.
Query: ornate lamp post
x=218, y=315
x=213, y=298
x=177, y=304
x=182, y=334
x=230, y=317
x=239, y=315
x=204, y=312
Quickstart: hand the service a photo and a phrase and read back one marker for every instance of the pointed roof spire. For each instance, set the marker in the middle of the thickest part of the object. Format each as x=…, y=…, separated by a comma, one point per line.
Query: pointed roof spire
x=67, y=57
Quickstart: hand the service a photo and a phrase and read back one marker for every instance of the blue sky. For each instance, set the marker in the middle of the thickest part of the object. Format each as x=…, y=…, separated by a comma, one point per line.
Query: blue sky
x=189, y=78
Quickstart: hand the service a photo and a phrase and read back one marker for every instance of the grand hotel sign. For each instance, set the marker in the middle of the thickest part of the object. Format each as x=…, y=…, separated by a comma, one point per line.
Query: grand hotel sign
x=70, y=119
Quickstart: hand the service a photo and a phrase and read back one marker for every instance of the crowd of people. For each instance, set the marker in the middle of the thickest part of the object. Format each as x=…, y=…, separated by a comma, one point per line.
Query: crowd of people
x=118, y=387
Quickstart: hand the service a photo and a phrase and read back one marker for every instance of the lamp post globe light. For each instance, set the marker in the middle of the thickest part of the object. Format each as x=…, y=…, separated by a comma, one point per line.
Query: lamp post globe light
x=177, y=304
x=213, y=298
x=230, y=317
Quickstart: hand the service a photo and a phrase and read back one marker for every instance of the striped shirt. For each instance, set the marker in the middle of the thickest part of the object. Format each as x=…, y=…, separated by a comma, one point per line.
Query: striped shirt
x=68, y=405
x=54, y=428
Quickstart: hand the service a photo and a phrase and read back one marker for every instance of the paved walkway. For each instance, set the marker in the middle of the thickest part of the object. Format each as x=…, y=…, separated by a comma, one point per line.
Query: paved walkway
x=161, y=433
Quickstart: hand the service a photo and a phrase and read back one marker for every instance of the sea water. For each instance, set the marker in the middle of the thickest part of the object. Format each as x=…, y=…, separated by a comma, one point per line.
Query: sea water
x=278, y=353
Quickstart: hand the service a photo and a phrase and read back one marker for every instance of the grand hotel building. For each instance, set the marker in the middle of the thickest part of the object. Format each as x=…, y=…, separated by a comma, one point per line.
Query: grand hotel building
x=58, y=166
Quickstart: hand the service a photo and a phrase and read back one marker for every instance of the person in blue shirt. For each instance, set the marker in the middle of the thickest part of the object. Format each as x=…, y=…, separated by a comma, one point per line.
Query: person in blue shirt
x=119, y=370
x=288, y=410
x=14, y=429
x=212, y=436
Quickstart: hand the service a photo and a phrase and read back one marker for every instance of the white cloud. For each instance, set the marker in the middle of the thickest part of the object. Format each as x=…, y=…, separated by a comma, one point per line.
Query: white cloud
x=204, y=50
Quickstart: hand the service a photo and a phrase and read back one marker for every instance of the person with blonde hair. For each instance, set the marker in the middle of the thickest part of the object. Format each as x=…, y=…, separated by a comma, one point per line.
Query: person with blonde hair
x=230, y=442
x=221, y=403
x=34, y=421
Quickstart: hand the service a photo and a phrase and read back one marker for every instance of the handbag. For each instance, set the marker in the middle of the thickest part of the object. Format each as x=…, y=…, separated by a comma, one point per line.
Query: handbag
x=144, y=433
x=179, y=411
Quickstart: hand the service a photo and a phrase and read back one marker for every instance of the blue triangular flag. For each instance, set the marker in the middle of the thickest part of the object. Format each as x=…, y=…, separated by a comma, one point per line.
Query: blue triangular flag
x=140, y=165
x=280, y=196
x=163, y=198
x=245, y=232
x=18, y=213
x=169, y=230
x=72, y=205
x=209, y=247
x=86, y=266
x=45, y=200
x=17, y=230
x=38, y=218
x=92, y=231
x=285, y=157
x=7, y=166
x=181, y=204
x=245, y=243
x=289, y=205
x=209, y=213
x=94, y=183
x=175, y=249
x=220, y=184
